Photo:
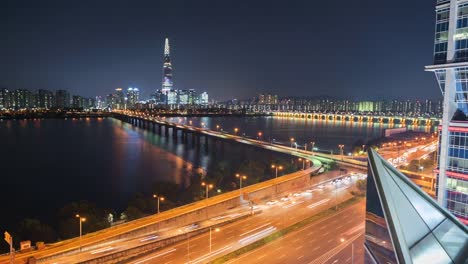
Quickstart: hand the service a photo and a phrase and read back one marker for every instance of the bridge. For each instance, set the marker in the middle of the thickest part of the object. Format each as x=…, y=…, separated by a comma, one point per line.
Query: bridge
x=363, y=118
x=161, y=126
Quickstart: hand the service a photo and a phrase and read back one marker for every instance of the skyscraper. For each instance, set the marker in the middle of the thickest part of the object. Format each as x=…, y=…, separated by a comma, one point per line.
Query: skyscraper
x=451, y=70
x=133, y=95
x=167, y=70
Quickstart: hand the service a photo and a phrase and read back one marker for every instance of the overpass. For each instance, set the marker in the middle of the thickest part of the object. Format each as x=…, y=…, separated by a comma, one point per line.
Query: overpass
x=93, y=244
x=363, y=118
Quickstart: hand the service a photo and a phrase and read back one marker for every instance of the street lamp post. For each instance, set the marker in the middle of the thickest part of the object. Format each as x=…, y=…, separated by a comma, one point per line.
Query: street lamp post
x=276, y=167
x=81, y=220
x=207, y=187
x=260, y=135
x=303, y=162
x=341, y=146
x=217, y=127
x=240, y=177
x=292, y=141
x=158, y=198
x=216, y=230
x=235, y=131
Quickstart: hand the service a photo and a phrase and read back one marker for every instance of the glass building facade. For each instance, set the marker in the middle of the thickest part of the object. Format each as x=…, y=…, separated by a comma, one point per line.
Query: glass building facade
x=405, y=225
x=451, y=71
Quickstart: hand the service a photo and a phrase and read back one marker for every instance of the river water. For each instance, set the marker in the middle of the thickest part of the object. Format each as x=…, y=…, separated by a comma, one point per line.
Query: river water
x=48, y=163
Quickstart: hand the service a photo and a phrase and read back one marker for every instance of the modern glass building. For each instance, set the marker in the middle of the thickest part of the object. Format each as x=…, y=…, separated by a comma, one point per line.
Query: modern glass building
x=451, y=70
x=405, y=225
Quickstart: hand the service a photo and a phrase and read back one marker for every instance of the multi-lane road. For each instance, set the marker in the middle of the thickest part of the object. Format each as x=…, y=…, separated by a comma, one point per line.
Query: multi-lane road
x=329, y=240
x=275, y=216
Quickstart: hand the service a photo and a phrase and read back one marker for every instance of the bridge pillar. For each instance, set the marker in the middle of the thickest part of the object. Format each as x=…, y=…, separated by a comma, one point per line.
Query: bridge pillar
x=166, y=132
x=174, y=132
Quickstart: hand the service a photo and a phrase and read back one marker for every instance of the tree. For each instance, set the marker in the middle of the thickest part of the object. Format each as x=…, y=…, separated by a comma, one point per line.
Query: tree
x=34, y=230
x=96, y=218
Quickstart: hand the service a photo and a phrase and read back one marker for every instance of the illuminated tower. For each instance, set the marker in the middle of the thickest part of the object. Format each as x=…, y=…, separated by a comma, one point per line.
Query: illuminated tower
x=167, y=70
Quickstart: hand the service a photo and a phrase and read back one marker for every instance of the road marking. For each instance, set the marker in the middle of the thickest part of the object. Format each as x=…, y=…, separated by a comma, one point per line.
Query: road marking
x=323, y=227
x=262, y=256
x=155, y=256
x=282, y=256
x=254, y=229
x=330, y=240
x=298, y=258
x=317, y=248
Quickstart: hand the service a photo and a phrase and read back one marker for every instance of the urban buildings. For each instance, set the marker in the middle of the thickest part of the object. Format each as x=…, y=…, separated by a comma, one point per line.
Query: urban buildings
x=407, y=107
x=404, y=224
x=451, y=71
x=21, y=99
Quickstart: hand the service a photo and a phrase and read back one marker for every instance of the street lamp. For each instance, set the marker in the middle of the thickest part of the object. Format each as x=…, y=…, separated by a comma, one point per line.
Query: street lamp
x=341, y=146
x=207, y=187
x=352, y=250
x=303, y=162
x=216, y=230
x=292, y=141
x=158, y=198
x=203, y=125
x=276, y=167
x=260, y=135
x=240, y=177
x=217, y=127
x=81, y=220
x=235, y=131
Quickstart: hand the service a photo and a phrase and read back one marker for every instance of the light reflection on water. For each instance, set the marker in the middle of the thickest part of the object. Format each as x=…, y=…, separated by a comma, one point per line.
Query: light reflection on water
x=325, y=134
x=51, y=162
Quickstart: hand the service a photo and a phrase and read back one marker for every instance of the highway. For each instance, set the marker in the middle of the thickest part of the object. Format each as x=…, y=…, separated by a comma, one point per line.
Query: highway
x=243, y=232
x=326, y=241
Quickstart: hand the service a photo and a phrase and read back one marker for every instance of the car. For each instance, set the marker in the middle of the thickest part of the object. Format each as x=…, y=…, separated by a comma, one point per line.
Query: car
x=272, y=202
x=192, y=227
x=284, y=199
x=297, y=194
x=321, y=186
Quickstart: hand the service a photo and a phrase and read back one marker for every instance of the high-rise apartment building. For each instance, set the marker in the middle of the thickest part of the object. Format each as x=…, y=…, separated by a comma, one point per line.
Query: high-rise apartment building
x=119, y=99
x=45, y=99
x=451, y=70
x=62, y=99
x=133, y=96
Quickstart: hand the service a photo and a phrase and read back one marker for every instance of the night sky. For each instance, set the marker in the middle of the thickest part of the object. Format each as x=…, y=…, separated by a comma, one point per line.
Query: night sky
x=231, y=49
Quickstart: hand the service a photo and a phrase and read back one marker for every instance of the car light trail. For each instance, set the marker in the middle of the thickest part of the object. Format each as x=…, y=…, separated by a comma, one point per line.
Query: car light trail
x=257, y=235
x=262, y=226
x=97, y=251
x=318, y=203
x=149, y=238
x=155, y=256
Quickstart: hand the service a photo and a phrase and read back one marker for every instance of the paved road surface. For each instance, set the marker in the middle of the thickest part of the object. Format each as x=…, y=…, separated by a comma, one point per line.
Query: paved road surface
x=244, y=232
x=318, y=242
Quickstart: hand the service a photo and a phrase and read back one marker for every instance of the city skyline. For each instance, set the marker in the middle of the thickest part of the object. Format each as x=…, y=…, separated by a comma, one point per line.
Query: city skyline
x=225, y=63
